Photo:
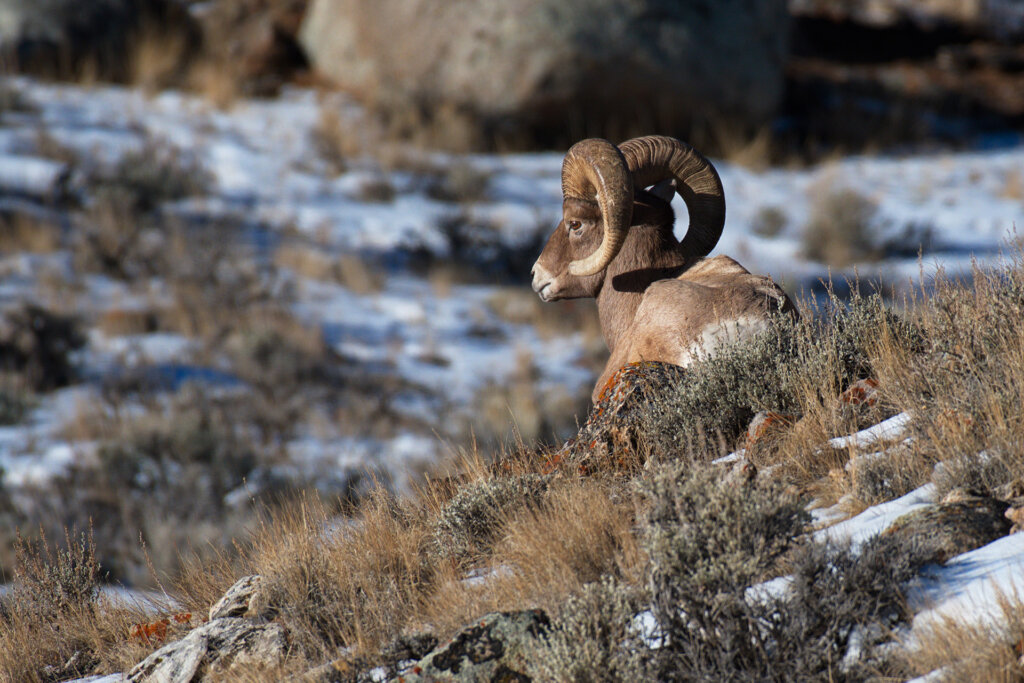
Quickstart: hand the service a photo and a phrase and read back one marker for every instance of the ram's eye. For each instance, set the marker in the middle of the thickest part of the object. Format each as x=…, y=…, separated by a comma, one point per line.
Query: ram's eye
x=575, y=225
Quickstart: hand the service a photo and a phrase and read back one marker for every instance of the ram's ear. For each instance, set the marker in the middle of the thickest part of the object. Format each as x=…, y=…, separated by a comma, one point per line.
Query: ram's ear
x=665, y=190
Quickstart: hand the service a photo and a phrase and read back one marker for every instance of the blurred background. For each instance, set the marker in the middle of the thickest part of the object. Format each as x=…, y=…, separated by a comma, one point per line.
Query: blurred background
x=250, y=248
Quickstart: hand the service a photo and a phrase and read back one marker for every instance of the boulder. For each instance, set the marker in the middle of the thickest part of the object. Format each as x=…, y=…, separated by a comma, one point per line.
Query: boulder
x=497, y=648
x=612, y=434
x=549, y=71
x=215, y=647
x=240, y=600
x=96, y=39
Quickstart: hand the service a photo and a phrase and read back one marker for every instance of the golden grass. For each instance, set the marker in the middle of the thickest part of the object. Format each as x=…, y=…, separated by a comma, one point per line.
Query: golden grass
x=21, y=232
x=982, y=651
x=358, y=581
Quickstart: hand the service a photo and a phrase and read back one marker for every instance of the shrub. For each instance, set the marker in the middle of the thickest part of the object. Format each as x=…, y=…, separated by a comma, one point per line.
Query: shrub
x=889, y=475
x=14, y=405
x=786, y=369
x=35, y=346
x=143, y=180
x=468, y=524
x=121, y=235
x=594, y=637
x=838, y=231
x=709, y=540
x=769, y=221
x=163, y=468
x=965, y=389
x=459, y=182
x=53, y=581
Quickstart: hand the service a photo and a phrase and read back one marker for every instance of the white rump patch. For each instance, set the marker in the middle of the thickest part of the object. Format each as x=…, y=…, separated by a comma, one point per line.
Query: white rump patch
x=720, y=333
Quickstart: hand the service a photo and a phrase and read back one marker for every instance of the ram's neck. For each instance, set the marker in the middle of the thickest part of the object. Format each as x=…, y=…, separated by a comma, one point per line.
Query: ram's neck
x=650, y=253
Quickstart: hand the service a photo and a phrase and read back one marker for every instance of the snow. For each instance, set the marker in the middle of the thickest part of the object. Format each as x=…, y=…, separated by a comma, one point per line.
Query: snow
x=887, y=430
x=267, y=175
x=969, y=587
x=645, y=626
x=876, y=519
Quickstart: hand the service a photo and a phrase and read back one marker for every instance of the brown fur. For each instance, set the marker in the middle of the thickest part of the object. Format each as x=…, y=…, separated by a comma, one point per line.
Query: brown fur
x=655, y=302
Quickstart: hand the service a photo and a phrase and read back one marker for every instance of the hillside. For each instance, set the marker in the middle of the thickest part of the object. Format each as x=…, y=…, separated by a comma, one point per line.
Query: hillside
x=242, y=342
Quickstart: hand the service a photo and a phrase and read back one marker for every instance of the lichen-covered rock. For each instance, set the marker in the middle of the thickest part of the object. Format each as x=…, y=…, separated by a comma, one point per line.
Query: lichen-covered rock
x=496, y=648
x=766, y=427
x=611, y=435
x=239, y=599
x=518, y=69
x=216, y=647
x=955, y=527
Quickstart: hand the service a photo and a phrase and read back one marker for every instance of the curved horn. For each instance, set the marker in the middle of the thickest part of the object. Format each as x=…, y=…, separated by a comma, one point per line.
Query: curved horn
x=655, y=158
x=597, y=167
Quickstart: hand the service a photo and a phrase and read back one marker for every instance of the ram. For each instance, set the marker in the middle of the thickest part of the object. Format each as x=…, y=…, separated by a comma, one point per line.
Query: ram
x=658, y=299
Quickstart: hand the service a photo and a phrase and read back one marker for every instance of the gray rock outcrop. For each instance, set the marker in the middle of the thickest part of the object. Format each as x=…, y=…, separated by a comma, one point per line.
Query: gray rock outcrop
x=489, y=72
x=497, y=648
x=215, y=647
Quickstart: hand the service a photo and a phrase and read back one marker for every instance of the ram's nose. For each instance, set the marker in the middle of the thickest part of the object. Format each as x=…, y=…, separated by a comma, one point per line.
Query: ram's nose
x=541, y=281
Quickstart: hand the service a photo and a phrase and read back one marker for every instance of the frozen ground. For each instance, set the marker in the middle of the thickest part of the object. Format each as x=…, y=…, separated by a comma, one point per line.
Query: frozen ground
x=270, y=175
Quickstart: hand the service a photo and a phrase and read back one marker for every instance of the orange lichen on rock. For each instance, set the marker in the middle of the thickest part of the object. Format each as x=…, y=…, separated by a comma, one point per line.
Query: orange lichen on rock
x=862, y=392
x=156, y=631
x=767, y=424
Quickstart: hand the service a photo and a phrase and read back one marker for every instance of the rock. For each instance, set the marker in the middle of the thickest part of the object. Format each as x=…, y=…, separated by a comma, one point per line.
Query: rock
x=611, y=435
x=99, y=39
x=767, y=426
x=216, y=647
x=1016, y=516
x=496, y=648
x=956, y=527
x=547, y=71
x=862, y=392
x=255, y=41
x=238, y=599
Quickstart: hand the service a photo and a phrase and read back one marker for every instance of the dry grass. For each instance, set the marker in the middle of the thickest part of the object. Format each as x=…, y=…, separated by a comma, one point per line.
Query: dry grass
x=55, y=624
x=20, y=232
x=360, y=575
x=349, y=270
x=982, y=651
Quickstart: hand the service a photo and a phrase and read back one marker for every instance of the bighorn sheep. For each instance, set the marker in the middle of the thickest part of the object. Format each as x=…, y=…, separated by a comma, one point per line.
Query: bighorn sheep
x=658, y=299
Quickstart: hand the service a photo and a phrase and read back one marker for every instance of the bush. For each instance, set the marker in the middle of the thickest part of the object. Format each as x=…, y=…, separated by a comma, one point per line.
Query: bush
x=839, y=229
x=121, y=235
x=469, y=522
x=53, y=581
x=14, y=405
x=967, y=386
x=594, y=638
x=144, y=180
x=769, y=221
x=162, y=472
x=784, y=369
x=35, y=347
x=459, y=182
x=709, y=540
